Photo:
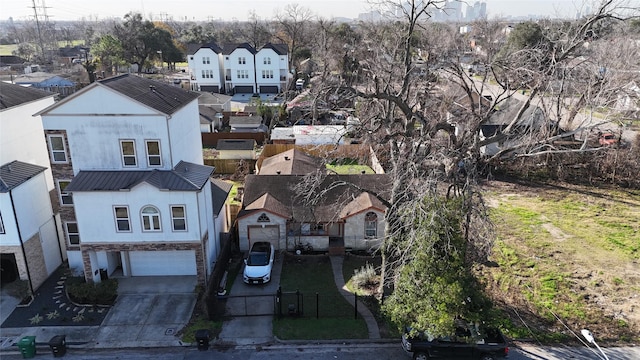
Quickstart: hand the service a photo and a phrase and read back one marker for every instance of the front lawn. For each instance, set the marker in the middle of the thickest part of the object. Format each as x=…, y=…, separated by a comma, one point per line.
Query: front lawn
x=310, y=275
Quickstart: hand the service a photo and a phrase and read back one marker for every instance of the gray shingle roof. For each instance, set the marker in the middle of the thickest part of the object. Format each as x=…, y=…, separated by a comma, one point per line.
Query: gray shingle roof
x=290, y=162
x=16, y=173
x=229, y=48
x=13, y=95
x=235, y=144
x=184, y=177
x=337, y=194
x=280, y=49
x=163, y=97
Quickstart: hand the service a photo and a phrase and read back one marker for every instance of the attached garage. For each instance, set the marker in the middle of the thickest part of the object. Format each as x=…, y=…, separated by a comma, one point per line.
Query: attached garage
x=243, y=90
x=210, y=88
x=268, y=233
x=269, y=90
x=159, y=263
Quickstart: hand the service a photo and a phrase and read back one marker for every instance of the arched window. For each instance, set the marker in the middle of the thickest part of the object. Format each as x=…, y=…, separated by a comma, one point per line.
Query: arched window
x=263, y=218
x=150, y=218
x=370, y=224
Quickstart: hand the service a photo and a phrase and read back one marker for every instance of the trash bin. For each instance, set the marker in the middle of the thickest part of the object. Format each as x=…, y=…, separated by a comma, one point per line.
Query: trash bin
x=27, y=347
x=58, y=345
x=202, y=338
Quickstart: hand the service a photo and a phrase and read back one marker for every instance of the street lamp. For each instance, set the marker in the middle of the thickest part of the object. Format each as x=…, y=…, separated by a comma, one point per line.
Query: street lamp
x=587, y=335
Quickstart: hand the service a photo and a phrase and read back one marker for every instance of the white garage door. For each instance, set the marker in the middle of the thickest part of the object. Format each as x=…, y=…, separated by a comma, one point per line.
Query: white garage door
x=267, y=233
x=154, y=263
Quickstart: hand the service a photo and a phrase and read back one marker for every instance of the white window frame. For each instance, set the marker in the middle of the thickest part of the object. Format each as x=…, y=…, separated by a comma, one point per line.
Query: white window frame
x=70, y=234
x=206, y=60
x=117, y=219
x=174, y=218
x=63, y=194
x=267, y=74
x=367, y=224
x=150, y=217
x=242, y=60
x=263, y=218
x=267, y=61
x=126, y=156
x=53, y=151
x=150, y=156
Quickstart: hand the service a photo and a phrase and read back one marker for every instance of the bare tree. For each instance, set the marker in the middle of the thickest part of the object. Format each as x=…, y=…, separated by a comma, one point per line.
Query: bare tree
x=292, y=23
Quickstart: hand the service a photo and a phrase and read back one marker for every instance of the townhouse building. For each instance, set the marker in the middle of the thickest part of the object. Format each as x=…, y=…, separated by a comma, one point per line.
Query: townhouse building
x=126, y=157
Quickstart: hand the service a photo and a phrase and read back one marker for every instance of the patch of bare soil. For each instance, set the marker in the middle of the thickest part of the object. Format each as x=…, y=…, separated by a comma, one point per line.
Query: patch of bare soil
x=609, y=287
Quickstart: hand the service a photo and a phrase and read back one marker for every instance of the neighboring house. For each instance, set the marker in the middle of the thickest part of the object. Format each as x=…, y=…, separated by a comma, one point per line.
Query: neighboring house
x=501, y=118
x=272, y=68
x=48, y=82
x=251, y=123
x=245, y=69
x=29, y=241
x=239, y=68
x=236, y=149
x=211, y=107
x=340, y=216
x=205, y=68
x=127, y=159
x=310, y=134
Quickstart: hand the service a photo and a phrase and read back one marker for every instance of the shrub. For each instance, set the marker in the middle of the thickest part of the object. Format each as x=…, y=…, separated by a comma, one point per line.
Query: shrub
x=103, y=293
x=365, y=278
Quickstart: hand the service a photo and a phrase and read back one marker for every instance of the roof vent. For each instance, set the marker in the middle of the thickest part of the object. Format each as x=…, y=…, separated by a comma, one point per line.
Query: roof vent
x=362, y=172
x=278, y=172
x=152, y=88
x=286, y=158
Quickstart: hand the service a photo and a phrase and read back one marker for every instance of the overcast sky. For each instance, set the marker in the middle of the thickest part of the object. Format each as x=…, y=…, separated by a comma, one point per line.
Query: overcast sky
x=239, y=9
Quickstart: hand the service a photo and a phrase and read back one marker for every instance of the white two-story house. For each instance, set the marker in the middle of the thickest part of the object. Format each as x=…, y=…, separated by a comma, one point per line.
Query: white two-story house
x=30, y=246
x=239, y=68
x=206, y=69
x=126, y=154
x=272, y=68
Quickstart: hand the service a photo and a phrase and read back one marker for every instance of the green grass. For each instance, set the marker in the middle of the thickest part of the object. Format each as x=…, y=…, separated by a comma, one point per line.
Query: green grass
x=188, y=333
x=311, y=275
x=350, y=169
x=6, y=50
x=233, y=195
x=552, y=241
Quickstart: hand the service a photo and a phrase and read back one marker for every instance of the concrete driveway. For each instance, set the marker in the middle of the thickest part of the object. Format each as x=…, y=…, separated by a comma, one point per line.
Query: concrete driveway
x=149, y=311
x=249, y=330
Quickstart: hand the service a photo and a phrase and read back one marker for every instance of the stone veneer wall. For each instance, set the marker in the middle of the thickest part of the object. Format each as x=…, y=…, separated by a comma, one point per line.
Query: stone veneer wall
x=62, y=172
x=197, y=246
x=35, y=259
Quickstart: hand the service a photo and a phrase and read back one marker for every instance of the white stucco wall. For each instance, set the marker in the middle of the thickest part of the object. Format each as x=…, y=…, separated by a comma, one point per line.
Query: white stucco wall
x=22, y=136
x=32, y=205
x=184, y=133
x=10, y=236
x=252, y=220
x=233, y=67
x=96, y=219
x=196, y=66
x=274, y=66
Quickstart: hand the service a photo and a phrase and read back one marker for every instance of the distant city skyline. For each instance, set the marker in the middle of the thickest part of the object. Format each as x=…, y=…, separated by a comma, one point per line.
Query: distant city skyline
x=198, y=10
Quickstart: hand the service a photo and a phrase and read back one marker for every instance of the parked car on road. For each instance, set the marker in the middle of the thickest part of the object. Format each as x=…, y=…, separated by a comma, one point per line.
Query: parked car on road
x=468, y=342
x=258, y=264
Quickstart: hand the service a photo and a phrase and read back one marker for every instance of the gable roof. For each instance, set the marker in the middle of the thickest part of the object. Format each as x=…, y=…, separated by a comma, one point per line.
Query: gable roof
x=208, y=113
x=220, y=190
x=290, y=162
x=268, y=203
x=184, y=177
x=213, y=46
x=14, y=95
x=280, y=49
x=363, y=202
x=229, y=48
x=330, y=197
x=163, y=97
x=16, y=173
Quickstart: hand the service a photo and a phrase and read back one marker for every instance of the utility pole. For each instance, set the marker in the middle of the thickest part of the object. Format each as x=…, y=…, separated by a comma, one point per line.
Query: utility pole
x=40, y=15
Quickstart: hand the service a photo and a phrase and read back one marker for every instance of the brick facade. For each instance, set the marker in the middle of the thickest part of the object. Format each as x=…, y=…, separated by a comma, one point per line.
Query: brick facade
x=35, y=259
x=62, y=171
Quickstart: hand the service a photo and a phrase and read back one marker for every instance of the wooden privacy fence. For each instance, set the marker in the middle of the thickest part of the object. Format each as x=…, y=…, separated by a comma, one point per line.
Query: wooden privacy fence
x=229, y=166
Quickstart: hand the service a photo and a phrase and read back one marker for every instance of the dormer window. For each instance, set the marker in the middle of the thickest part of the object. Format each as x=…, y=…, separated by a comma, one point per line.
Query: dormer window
x=263, y=218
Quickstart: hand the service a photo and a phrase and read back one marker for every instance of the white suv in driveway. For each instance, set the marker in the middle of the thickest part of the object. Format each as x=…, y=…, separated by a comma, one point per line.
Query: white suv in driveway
x=258, y=264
